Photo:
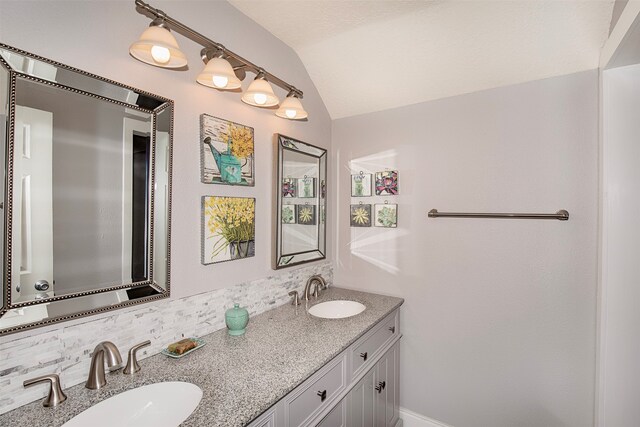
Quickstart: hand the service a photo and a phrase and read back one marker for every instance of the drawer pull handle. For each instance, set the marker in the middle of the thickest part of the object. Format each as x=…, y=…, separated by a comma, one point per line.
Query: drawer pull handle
x=364, y=355
x=392, y=329
x=323, y=395
x=381, y=386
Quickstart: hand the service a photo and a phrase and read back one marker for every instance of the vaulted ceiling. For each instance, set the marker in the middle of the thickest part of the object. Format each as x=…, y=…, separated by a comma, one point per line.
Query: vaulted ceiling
x=371, y=55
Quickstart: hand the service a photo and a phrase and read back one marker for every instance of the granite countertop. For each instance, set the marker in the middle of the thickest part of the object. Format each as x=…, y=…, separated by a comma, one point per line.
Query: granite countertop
x=241, y=377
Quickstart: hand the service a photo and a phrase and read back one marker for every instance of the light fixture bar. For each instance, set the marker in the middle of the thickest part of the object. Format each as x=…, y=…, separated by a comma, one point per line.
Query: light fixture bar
x=208, y=43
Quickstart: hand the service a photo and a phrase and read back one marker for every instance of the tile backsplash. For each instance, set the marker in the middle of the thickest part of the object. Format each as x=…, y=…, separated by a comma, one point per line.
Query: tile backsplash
x=66, y=350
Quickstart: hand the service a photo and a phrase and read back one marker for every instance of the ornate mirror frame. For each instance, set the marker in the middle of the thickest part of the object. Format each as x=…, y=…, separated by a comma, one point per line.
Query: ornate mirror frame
x=79, y=304
x=281, y=259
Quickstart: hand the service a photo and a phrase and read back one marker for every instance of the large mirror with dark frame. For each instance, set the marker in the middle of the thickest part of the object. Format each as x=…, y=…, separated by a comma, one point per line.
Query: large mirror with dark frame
x=301, y=194
x=86, y=194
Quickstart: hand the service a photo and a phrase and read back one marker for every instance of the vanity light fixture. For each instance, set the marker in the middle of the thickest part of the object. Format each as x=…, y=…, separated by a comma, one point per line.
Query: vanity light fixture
x=158, y=47
x=219, y=74
x=224, y=69
x=291, y=108
x=260, y=93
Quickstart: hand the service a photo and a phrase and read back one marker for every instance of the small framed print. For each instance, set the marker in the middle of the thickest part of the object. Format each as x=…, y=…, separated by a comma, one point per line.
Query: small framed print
x=288, y=214
x=306, y=187
x=387, y=183
x=226, y=152
x=228, y=229
x=386, y=215
x=361, y=215
x=361, y=185
x=289, y=187
x=306, y=214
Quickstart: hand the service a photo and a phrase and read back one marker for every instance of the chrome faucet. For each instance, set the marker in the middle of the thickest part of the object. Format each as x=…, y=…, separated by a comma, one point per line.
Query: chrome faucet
x=319, y=281
x=96, y=378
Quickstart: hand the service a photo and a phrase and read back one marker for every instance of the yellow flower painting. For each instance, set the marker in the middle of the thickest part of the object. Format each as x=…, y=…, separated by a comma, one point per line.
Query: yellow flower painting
x=227, y=152
x=228, y=228
x=306, y=214
x=361, y=215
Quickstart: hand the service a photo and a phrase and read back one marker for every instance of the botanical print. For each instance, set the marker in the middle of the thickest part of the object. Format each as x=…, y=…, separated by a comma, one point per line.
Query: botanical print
x=289, y=186
x=307, y=187
x=227, y=152
x=387, y=183
x=386, y=215
x=361, y=185
x=288, y=214
x=228, y=228
x=361, y=215
x=306, y=214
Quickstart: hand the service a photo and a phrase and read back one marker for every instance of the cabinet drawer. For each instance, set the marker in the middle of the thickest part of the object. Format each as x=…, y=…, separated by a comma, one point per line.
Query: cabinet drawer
x=337, y=417
x=316, y=393
x=364, y=351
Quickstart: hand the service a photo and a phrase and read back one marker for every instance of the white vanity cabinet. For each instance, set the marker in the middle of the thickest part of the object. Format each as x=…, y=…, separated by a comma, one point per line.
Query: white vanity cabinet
x=357, y=388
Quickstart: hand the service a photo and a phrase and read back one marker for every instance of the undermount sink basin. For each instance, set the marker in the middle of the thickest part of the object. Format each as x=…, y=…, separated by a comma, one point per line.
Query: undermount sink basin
x=338, y=309
x=155, y=405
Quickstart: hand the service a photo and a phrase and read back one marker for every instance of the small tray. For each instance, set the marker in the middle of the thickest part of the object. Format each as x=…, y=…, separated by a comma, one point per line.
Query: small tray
x=199, y=343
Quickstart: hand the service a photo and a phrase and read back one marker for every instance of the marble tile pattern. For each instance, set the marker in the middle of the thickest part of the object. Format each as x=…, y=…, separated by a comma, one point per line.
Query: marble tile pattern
x=242, y=376
x=66, y=350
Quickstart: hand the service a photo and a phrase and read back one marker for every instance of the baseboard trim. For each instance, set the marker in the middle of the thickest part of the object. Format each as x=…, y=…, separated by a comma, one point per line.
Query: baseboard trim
x=411, y=419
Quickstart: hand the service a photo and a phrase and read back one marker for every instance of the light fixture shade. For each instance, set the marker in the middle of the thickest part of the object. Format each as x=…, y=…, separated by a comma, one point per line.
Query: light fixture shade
x=260, y=94
x=219, y=74
x=158, y=47
x=291, y=108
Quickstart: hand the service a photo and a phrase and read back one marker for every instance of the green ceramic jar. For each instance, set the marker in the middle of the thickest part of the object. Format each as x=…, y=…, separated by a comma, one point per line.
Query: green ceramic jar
x=237, y=319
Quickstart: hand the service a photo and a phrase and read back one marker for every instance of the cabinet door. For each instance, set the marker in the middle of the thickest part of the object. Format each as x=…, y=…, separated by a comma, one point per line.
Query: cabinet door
x=392, y=385
x=386, y=389
x=337, y=416
x=361, y=402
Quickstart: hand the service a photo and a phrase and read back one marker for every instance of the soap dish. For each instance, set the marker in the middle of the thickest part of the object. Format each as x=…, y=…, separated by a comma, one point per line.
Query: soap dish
x=200, y=343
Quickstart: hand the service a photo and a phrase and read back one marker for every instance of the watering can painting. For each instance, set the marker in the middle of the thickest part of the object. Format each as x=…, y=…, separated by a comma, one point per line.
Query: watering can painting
x=229, y=165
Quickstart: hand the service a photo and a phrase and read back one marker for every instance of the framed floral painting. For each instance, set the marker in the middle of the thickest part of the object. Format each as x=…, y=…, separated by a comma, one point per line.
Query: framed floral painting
x=361, y=215
x=288, y=214
x=307, y=187
x=228, y=228
x=306, y=214
x=289, y=187
x=226, y=152
x=386, y=183
x=361, y=185
x=386, y=215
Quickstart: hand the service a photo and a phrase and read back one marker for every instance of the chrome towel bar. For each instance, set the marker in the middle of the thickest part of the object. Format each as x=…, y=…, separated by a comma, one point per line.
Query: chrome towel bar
x=561, y=215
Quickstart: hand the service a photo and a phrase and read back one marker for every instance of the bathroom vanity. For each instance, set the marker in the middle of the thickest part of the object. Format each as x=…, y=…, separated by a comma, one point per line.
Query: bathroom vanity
x=289, y=369
x=357, y=388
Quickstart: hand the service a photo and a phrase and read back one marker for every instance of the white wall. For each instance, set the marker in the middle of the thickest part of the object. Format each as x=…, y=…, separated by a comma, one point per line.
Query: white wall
x=95, y=36
x=500, y=315
x=620, y=308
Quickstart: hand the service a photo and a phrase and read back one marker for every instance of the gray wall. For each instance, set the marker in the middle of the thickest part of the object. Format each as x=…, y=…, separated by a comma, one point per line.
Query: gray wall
x=618, y=7
x=499, y=319
x=620, y=294
x=95, y=36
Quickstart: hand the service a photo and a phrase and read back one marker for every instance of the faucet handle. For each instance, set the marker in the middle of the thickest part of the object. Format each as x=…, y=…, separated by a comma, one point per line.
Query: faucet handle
x=132, y=361
x=296, y=298
x=316, y=289
x=56, y=395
